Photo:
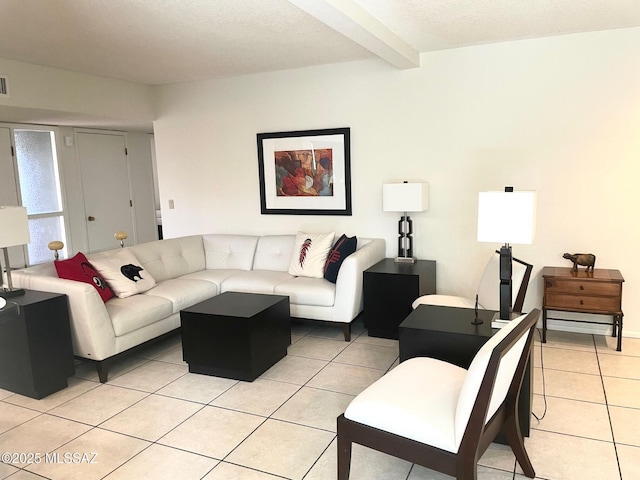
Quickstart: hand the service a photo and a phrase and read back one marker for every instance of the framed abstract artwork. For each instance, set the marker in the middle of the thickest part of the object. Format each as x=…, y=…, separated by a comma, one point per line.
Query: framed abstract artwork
x=305, y=172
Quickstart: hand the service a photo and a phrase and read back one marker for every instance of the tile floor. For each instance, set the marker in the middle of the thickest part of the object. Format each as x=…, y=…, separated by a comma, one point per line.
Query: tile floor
x=154, y=420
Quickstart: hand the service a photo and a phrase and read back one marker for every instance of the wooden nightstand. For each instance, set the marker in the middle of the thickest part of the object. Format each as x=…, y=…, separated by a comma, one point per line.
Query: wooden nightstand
x=597, y=292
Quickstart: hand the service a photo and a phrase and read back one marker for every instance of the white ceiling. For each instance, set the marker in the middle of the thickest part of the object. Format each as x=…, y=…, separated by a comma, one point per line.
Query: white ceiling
x=156, y=42
x=165, y=41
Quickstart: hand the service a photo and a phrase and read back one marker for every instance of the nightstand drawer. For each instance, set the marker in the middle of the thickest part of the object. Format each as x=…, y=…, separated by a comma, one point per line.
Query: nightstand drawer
x=557, y=285
x=582, y=302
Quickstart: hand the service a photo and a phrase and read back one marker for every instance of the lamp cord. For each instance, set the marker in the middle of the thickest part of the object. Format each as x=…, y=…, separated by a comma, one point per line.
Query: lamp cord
x=544, y=389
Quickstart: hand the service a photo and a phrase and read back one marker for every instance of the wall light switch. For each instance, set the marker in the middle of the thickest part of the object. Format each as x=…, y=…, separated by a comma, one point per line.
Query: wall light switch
x=171, y=205
x=68, y=141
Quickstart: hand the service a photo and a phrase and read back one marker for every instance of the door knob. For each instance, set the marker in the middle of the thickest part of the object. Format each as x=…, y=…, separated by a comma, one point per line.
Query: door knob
x=91, y=219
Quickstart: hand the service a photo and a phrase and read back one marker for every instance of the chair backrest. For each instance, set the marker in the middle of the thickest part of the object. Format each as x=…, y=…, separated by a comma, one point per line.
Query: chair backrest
x=489, y=287
x=493, y=373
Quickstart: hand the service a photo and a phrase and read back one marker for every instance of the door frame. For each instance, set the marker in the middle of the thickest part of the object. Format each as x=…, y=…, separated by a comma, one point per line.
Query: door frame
x=60, y=172
x=133, y=235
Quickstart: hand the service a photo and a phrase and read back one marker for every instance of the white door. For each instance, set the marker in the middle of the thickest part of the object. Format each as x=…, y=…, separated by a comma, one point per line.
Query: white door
x=105, y=182
x=9, y=192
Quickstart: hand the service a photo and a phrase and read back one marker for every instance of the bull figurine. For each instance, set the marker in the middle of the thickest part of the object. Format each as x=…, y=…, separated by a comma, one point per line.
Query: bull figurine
x=585, y=259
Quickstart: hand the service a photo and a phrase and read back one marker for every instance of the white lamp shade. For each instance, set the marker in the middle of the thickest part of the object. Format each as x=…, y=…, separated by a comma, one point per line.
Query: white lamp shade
x=14, y=226
x=506, y=217
x=405, y=197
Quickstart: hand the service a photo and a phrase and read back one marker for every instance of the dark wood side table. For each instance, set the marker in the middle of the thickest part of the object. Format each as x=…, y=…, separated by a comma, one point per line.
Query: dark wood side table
x=36, y=356
x=446, y=333
x=389, y=289
x=597, y=292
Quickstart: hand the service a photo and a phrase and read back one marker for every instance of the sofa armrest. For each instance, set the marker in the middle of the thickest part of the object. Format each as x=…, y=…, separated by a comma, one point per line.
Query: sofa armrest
x=91, y=329
x=348, y=300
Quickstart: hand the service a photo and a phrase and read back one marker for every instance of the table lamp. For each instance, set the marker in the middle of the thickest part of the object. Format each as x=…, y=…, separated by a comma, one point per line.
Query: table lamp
x=121, y=236
x=506, y=217
x=405, y=197
x=14, y=231
x=55, y=246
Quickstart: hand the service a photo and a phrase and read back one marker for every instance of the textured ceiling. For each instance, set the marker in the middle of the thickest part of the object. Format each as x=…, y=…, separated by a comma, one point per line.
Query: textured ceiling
x=165, y=41
x=157, y=42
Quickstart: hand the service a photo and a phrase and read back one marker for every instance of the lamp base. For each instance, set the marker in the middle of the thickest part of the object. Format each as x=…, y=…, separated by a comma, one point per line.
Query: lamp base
x=405, y=259
x=14, y=292
x=497, y=322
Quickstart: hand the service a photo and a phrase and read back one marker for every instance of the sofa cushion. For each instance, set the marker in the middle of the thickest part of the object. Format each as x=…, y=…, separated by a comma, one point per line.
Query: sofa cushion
x=216, y=276
x=79, y=269
x=229, y=251
x=344, y=247
x=273, y=252
x=310, y=254
x=131, y=313
x=124, y=273
x=308, y=291
x=171, y=258
x=184, y=292
x=256, y=281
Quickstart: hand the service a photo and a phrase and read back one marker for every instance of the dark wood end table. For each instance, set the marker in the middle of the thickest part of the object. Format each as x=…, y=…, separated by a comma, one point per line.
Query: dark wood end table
x=36, y=355
x=389, y=289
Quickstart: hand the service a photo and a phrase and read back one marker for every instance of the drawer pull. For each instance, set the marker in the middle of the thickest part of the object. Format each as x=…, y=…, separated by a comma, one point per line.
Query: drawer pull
x=581, y=287
x=581, y=302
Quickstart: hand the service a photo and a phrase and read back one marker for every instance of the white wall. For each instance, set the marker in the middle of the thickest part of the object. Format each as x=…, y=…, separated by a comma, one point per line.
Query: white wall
x=87, y=100
x=557, y=115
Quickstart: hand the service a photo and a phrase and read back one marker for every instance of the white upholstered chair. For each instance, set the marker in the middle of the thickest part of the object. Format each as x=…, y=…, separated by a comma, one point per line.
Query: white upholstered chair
x=441, y=416
x=488, y=288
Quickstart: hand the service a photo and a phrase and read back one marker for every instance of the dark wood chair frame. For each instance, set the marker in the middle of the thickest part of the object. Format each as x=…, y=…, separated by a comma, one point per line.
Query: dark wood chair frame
x=477, y=436
x=522, y=291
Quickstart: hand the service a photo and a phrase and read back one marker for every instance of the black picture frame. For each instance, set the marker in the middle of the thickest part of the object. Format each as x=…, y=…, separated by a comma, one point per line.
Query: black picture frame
x=293, y=181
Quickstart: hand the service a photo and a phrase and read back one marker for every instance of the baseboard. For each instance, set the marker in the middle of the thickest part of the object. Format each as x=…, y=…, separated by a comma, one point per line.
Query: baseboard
x=588, y=328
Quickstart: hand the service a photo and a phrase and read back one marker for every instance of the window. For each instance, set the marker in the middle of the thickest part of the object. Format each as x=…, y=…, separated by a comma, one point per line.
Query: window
x=40, y=191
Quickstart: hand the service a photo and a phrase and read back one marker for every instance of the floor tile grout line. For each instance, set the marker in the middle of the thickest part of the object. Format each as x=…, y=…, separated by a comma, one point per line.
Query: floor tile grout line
x=305, y=385
x=265, y=419
x=606, y=401
x=573, y=435
x=103, y=421
x=320, y=456
x=299, y=387
x=249, y=468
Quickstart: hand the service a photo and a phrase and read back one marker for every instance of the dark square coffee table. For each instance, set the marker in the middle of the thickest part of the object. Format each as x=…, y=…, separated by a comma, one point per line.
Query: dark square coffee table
x=236, y=335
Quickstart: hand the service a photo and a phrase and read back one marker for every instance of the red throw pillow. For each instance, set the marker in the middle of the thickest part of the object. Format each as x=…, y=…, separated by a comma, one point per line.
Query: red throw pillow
x=79, y=269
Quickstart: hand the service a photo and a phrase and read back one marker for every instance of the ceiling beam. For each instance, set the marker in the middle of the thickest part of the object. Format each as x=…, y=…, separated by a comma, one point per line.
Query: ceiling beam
x=354, y=22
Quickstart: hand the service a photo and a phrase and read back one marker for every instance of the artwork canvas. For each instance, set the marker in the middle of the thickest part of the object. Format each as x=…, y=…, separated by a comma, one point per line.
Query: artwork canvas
x=305, y=172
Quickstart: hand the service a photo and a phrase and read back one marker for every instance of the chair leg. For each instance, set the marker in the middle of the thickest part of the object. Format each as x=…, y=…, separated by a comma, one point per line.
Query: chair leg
x=516, y=442
x=344, y=454
x=467, y=470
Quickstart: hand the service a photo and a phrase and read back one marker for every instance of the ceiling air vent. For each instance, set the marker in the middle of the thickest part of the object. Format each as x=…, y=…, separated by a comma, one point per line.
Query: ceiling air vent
x=4, y=86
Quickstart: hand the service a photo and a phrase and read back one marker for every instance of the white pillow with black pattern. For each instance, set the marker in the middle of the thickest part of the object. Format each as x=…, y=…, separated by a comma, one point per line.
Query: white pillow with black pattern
x=124, y=273
x=310, y=253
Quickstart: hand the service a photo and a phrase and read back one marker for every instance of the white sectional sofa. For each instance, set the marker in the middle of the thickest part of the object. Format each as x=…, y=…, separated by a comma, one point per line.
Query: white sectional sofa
x=190, y=269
